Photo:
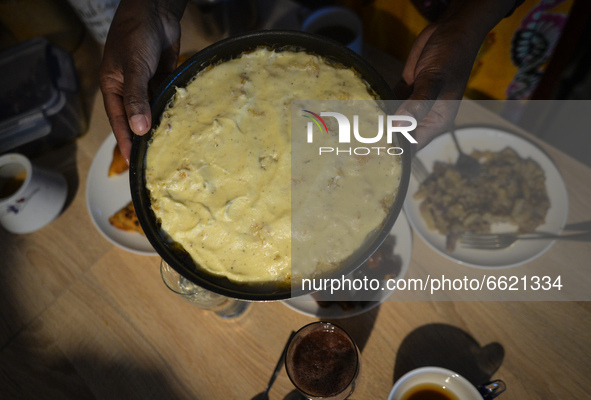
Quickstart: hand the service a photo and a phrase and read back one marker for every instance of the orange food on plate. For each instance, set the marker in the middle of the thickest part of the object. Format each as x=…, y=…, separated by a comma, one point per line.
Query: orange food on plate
x=118, y=164
x=126, y=219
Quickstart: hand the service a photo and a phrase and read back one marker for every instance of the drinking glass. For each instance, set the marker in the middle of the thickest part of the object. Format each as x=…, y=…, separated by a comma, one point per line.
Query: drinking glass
x=322, y=362
x=222, y=306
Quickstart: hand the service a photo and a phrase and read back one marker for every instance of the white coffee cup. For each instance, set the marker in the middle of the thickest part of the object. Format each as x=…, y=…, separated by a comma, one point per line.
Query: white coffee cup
x=337, y=23
x=30, y=196
x=445, y=380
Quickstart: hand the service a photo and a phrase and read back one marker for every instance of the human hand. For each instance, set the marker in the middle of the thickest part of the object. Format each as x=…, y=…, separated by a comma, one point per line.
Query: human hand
x=141, y=49
x=439, y=64
x=433, y=81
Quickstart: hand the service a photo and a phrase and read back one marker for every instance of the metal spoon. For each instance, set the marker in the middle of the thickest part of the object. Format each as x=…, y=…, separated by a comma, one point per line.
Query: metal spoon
x=467, y=166
x=265, y=395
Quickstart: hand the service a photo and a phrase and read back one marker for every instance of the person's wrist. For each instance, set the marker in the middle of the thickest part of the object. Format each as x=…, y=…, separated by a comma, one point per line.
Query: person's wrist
x=171, y=8
x=517, y=4
x=477, y=17
x=167, y=8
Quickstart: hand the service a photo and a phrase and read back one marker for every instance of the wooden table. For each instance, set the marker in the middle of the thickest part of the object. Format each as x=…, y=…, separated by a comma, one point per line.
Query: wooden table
x=81, y=318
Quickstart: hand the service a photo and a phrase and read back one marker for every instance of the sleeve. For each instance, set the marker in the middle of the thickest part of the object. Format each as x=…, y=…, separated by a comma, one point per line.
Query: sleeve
x=517, y=4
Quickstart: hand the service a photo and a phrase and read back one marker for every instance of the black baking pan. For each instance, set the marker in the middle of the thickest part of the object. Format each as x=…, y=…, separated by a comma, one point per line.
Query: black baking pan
x=225, y=50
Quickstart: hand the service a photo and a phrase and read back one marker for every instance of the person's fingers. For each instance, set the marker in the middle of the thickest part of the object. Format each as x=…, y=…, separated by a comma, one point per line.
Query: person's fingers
x=167, y=64
x=419, y=111
x=118, y=119
x=436, y=74
x=402, y=90
x=439, y=120
x=418, y=86
x=141, y=41
x=124, y=141
x=112, y=89
x=135, y=95
x=420, y=105
x=410, y=66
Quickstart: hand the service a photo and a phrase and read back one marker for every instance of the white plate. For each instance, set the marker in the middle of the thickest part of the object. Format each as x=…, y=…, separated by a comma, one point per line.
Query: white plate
x=484, y=138
x=403, y=248
x=106, y=195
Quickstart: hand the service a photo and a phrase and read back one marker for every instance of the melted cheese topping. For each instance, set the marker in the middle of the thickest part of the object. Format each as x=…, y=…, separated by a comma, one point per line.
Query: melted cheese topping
x=219, y=171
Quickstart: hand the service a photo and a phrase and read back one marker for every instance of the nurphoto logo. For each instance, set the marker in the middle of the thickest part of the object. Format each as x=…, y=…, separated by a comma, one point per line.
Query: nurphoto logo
x=344, y=133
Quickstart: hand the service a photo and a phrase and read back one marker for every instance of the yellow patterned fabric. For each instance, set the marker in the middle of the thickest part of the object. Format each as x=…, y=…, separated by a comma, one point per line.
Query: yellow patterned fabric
x=511, y=60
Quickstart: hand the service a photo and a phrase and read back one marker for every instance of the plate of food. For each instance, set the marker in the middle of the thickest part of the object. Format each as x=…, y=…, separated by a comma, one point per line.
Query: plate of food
x=390, y=261
x=519, y=190
x=108, y=199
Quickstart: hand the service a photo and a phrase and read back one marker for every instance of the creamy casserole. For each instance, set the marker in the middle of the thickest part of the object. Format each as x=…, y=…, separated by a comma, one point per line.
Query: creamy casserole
x=219, y=171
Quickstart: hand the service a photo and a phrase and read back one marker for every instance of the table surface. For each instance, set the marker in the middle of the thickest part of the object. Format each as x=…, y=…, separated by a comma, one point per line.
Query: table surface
x=82, y=318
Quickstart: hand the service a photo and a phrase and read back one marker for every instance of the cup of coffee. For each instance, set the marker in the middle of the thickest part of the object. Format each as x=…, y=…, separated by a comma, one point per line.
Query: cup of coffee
x=434, y=383
x=30, y=196
x=337, y=23
x=322, y=361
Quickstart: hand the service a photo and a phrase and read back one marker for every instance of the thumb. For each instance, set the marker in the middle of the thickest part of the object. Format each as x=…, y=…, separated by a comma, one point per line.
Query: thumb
x=418, y=106
x=432, y=114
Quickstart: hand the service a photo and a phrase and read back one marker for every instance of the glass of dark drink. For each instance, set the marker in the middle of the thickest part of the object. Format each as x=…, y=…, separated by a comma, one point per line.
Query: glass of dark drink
x=322, y=362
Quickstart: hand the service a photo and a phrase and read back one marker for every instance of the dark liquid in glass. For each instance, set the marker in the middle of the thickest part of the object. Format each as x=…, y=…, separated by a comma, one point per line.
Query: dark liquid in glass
x=324, y=363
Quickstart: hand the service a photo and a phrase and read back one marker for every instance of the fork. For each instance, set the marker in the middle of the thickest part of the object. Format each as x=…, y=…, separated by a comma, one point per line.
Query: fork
x=418, y=169
x=498, y=241
x=468, y=166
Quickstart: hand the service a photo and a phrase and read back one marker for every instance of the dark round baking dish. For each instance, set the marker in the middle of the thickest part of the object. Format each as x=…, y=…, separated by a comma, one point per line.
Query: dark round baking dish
x=221, y=51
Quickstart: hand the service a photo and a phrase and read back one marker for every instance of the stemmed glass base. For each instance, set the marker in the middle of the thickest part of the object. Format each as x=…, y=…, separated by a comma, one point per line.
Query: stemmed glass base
x=222, y=306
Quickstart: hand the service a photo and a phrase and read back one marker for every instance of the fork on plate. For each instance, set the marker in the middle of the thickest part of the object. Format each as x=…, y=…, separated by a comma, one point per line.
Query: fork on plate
x=498, y=241
x=418, y=169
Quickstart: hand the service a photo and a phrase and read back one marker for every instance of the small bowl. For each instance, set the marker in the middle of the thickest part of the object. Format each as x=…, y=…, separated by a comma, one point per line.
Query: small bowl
x=225, y=50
